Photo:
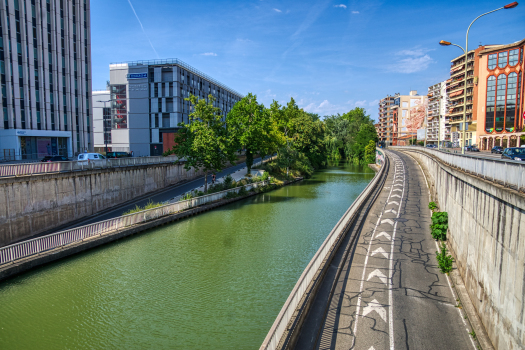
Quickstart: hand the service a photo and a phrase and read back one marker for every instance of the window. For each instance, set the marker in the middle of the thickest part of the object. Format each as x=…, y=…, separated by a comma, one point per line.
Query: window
x=500, y=102
x=502, y=59
x=491, y=98
x=492, y=61
x=510, y=109
x=513, y=57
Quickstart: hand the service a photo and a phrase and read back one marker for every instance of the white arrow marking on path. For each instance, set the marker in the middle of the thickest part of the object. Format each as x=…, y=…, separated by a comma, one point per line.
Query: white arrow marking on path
x=375, y=306
x=388, y=221
x=380, y=250
x=372, y=348
x=384, y=234
x=397, y=189
x=395, y=195
x=398, y=185
x=391, y=211
x=393, y=202
x=378, y=274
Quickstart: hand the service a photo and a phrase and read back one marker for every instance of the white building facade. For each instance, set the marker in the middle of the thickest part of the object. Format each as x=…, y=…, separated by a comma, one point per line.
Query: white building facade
x=438, y=123
x=45, y=71
x=147, y=102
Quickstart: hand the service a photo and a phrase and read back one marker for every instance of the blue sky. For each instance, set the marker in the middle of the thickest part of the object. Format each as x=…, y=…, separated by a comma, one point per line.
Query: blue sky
x=330, y=56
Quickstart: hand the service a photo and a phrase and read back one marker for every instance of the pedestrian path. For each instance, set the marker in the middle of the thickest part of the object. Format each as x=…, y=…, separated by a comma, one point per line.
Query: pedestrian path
x=392, y=294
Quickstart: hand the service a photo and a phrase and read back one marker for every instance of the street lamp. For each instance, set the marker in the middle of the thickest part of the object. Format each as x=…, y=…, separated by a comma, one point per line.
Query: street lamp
x=465, y=50
x=104, y=126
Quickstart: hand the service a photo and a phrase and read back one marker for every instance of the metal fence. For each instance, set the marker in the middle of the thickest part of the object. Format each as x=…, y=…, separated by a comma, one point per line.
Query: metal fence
x=287, y=311
x=507, y=173
x=54, y=167
x=37, y=245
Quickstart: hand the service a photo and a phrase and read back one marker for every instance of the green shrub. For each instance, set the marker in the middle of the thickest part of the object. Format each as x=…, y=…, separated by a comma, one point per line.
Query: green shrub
x=149, y=205
x=200, y=193
x=228, y=180
x=230, y=195
x=432, y=206
x=186, y=197
x=439, y=225
x=265, y=176
x=444, y=260
x=242, y=191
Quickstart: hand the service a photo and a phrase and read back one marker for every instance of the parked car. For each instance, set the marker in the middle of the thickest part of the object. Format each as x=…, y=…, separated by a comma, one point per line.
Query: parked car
x=468, y=148
x=432, y=146
x=46, y=158
x=497, y=149
x=514, y=153
x=118, y=155
x=58, y=159
x=86, y=157
x=474, y=149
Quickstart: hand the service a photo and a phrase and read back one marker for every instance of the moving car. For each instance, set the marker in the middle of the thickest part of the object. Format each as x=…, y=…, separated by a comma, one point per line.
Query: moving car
x=46, y=158
x=497, y=149
x=90, y=157
x=118, y=155
x=514, y=153
x=58, y=159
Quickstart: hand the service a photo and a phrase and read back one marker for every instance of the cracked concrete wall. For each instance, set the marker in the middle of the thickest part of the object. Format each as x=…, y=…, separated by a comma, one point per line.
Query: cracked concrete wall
x=487, y=239
x=33, y=204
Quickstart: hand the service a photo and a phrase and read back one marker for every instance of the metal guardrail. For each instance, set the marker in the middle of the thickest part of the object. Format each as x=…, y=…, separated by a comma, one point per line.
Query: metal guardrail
x=508, y=173
x=34, y=246
x=78, y=165
x=278, y=328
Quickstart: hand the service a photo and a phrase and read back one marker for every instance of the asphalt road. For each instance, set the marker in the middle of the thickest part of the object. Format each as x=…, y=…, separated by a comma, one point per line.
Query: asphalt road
x=392, y=294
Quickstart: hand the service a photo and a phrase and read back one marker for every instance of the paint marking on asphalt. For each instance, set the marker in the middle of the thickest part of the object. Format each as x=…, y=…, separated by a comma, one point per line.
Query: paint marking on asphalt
x=384, y=234
x=387, y=221
x=393, y=202
x=380, y=251
x=391, y=211
x=375, y=306
x=396, y=195
x=377, y=273
x=398, y=189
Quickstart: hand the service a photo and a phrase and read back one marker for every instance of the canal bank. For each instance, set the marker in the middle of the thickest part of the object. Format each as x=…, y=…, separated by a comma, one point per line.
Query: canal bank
x=216, y=280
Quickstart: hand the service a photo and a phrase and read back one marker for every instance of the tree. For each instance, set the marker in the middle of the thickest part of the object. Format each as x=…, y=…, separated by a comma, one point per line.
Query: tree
x=370, y=152
x=250, y=126
x=204, y=142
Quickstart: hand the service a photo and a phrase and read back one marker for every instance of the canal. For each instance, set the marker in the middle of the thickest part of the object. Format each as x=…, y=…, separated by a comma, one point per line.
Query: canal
x=217, y=280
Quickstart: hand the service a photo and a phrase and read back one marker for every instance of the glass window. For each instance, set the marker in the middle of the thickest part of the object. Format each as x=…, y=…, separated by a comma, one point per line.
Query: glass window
x=513, y=57
x=491, y=98
x=500, y=102
x=492, y=61
x=510, y=109
x=502, y=59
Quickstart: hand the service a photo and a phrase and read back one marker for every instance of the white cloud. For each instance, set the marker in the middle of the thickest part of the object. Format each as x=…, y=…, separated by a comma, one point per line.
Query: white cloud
x=360, y=103
x=209, y=54
x=268, y=94
x=373, y=103
x=411, y=61
x=355, y=12
x=325, y=108
x=277, y=10
x=341, y=6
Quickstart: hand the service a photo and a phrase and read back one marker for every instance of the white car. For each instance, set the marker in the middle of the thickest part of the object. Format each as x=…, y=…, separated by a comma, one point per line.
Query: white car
x=87, y=157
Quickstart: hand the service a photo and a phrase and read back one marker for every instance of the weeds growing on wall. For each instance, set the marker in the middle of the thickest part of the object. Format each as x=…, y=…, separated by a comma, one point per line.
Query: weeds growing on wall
x=439, y=225
x=444, y=260
x=432, y=206
x=149, y=205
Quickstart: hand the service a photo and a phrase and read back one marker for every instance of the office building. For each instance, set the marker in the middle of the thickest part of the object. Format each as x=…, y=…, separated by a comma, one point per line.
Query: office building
x=500, y=106
x=101, y=121
x=45, y=71
x=147, y=102
x=438, y=125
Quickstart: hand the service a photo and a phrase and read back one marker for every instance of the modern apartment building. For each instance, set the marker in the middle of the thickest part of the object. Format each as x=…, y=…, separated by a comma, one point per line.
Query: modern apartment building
x=387, y=132
x=500, y=105
x=410, y=112
x=438, y=125
x=101, y=120
x=147, y=102
x=45, y=72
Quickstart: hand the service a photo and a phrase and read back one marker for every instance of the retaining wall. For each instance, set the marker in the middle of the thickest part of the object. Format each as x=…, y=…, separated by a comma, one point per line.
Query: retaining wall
x=37, y=203
x=487, y=240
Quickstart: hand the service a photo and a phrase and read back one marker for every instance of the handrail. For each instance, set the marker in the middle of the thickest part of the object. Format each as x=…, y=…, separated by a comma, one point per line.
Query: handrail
x=506, y=172
x=278, y=328
x=80, y=165
x=37, y=245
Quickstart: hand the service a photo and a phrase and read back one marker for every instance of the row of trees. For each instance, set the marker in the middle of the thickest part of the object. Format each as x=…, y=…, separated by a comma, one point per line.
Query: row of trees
x=303, y=141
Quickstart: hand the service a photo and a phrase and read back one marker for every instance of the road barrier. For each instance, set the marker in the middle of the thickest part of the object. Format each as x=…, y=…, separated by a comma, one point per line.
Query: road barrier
x=55, y=167
x=507, y=173
x=33, y=246
x=289, y=308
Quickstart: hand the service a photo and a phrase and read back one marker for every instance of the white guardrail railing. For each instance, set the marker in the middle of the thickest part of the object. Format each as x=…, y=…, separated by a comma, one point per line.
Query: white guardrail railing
x=55, y=167
x=278, y=328
x=33, y=246
x=508, y=173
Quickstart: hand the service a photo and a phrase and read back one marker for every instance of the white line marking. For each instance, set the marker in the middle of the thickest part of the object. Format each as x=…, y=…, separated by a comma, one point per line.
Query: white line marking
x=387, y=221
x=396, y=195
x=380, y=251
x=375, y=306
x=391, y=211
x=398, y=189
x=384, y=234
x=378, y=274
x=393, y=202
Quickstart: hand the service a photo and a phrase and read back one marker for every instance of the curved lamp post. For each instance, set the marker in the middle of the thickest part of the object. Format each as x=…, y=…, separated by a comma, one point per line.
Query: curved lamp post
x=465, y=50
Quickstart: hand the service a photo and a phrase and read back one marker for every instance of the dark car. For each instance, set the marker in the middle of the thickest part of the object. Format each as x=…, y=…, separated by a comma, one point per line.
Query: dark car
x=497, y=149
x=46, y=158
x=58, y=159
x=474, y=149
x=468, y=148
x=514, y=153
x=117, y=155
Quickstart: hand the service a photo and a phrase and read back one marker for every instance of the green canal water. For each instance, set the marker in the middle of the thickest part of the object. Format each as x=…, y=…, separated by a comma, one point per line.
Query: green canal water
x=213, y=281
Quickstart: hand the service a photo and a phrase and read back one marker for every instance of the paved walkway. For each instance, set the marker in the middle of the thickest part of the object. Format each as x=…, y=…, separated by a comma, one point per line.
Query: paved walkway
x=393, y=295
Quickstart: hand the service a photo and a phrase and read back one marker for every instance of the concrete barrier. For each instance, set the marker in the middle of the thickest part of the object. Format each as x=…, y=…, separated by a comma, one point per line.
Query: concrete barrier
x=37, y=203
x=487, y=239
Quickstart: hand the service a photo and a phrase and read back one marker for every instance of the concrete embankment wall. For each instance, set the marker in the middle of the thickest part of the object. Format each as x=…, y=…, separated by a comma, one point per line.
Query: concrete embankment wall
x=33, y=204
x=487, y=240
